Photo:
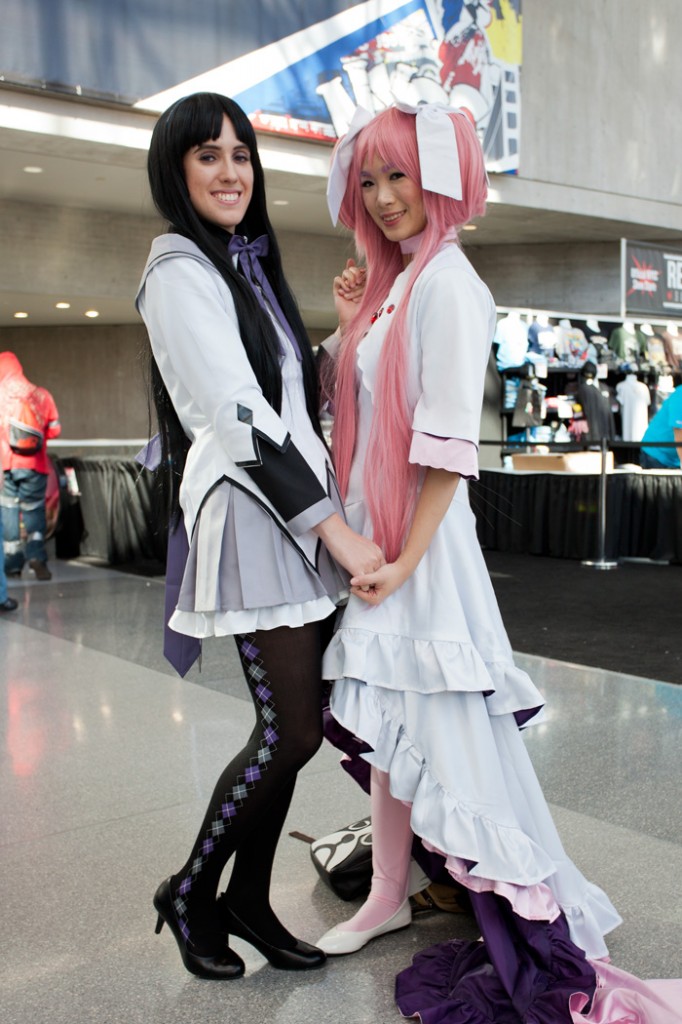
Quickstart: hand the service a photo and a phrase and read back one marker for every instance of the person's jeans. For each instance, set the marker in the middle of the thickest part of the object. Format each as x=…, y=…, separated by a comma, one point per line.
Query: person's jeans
x=23, y=492
x=647, y=461
x=3, y=578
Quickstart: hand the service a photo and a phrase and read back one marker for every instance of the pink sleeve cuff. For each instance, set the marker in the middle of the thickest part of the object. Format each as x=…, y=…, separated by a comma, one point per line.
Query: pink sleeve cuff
x=451, y=453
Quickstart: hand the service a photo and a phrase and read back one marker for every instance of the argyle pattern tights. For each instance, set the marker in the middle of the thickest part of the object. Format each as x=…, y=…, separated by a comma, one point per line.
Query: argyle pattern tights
x=251, y=799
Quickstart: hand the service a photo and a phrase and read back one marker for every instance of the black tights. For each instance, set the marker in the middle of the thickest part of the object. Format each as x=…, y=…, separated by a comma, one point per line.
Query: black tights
x=251, y=799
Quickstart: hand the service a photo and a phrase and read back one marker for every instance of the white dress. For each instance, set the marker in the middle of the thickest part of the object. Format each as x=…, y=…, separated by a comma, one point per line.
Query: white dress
x=427, y=678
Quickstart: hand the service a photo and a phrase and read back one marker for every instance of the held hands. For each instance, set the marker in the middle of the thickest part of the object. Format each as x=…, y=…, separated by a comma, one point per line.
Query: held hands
x=372, y=579
x=348, y=289
x=357, y=554
x=434, y=500
x=375, y=587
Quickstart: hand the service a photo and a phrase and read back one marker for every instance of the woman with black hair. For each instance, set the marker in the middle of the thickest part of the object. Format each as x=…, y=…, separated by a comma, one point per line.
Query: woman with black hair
x=253, y=501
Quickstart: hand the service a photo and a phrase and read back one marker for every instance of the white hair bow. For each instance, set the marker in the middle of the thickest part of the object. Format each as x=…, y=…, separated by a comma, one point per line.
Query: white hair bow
x=343, y=154
x=437, y=148
x=436, y=145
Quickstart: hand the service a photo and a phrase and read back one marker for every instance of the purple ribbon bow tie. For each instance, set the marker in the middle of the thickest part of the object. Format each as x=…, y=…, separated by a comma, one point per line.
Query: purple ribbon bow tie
x=247, y=254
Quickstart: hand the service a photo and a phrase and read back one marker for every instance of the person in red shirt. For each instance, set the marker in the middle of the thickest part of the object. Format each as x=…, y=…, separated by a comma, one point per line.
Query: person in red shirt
x=25, y=476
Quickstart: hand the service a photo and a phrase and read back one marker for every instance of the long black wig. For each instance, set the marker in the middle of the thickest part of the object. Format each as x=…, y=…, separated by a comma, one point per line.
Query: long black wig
x=187, y=123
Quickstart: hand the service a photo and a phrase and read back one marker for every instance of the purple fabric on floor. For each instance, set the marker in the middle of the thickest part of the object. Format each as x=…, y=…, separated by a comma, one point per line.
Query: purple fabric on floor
x=523, y=973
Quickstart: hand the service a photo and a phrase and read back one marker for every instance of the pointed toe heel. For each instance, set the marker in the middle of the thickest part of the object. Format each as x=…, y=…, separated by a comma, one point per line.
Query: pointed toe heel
x=223, y=965
x=300, y=956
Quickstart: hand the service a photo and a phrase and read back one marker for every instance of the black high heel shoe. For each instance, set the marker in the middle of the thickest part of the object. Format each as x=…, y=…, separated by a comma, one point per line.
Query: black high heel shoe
x=300, y=956
x=224, y=965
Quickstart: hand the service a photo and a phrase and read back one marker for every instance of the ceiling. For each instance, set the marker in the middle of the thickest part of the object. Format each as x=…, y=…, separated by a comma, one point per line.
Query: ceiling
x=108, y=173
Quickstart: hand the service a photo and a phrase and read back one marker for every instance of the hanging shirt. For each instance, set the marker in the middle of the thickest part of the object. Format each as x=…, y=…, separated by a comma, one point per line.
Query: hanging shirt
x=511, y=335
x=634, y=398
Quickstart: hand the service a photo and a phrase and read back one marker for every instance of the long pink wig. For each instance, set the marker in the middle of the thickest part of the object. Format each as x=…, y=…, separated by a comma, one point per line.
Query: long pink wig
x=390, y=481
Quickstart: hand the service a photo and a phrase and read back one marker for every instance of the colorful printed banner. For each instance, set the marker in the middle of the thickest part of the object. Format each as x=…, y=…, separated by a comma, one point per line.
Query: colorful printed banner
x=297, y=69
x=436, y=51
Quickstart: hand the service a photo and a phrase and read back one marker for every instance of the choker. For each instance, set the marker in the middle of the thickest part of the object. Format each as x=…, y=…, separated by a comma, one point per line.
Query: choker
x=410, y=245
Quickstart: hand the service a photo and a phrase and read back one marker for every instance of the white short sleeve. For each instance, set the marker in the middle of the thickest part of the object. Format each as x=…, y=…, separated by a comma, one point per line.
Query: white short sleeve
x=454, y=319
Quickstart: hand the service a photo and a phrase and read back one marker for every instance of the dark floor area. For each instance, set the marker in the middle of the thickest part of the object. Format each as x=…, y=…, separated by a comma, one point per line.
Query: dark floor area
x=627, y=620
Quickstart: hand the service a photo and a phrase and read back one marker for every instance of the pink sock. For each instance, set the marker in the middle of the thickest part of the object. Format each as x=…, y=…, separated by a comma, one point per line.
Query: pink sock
x=391, y=848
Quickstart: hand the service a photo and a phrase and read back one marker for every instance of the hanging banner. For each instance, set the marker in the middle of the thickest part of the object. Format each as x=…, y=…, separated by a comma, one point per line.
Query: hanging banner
x=297, y=69
x=651, y=280
x=450, y=52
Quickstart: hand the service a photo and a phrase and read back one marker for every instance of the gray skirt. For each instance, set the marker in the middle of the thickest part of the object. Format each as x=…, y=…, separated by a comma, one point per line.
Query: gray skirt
x=244, y=573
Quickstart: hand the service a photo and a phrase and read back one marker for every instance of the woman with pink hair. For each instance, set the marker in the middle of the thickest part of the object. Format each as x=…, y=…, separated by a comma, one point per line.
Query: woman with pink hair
x=425, y=685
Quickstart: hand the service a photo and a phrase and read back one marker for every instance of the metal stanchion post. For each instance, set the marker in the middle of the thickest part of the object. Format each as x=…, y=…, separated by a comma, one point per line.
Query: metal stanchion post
x=601, y=561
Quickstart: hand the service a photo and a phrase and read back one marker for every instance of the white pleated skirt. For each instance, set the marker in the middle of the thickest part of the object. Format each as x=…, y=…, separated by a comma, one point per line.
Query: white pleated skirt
x=244, y=573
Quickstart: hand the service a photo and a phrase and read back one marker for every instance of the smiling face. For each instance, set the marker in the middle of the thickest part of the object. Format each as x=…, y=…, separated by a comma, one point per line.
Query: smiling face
x=219, y=176
x=394, y=202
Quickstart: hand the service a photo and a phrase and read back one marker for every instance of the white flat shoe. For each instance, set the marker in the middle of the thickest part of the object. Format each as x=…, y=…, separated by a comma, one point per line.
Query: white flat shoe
x=336, y=942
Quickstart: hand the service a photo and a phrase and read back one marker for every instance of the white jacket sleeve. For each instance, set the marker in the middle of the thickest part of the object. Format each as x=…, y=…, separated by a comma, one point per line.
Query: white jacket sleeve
x=452, y=321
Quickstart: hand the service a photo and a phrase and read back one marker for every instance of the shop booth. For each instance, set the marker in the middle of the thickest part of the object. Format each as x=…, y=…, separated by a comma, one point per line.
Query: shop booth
x=577, y=395
x=567, y=384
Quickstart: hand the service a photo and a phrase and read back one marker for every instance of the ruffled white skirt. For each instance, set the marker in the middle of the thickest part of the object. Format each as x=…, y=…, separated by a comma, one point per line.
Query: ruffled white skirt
x=427, y=681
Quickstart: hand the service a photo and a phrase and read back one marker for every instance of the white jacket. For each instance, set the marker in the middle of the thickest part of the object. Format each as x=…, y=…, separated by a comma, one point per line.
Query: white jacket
x=194, y=333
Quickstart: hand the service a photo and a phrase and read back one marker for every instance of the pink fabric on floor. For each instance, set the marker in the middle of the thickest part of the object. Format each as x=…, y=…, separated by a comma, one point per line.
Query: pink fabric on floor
x=621, y=998
x=534, y=902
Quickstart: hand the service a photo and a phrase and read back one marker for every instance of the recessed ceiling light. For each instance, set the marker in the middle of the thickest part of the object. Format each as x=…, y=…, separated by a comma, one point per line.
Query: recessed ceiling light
x=280, y=202
x=470, y=227
x=92, y=313
x=20, y=316
x=33, y=170
x=62, y=305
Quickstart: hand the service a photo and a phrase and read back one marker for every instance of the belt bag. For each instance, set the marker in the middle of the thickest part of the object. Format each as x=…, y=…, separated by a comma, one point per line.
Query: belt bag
x=24, y=439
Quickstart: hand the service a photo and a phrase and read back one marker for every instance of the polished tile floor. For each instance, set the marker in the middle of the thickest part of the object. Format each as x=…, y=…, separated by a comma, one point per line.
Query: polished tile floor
x=108, y=758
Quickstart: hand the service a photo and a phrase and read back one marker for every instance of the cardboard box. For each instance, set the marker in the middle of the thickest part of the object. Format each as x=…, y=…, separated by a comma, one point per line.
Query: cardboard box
x=561, y=462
